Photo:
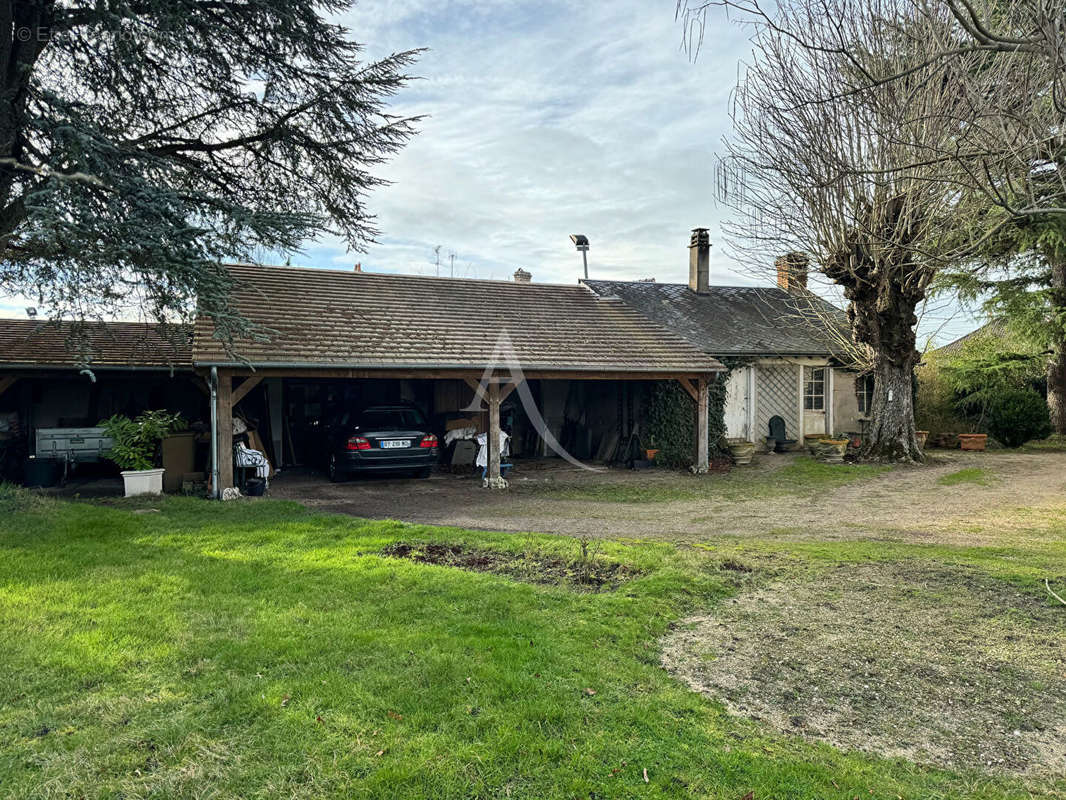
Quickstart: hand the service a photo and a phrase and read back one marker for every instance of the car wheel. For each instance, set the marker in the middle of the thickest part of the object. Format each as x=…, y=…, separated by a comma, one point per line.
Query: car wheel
x=425, y=472
x=335, y=474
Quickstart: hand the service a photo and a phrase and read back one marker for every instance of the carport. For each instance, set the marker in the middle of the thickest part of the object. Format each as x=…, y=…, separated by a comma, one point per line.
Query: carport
x=66, y=376
x=489, y=336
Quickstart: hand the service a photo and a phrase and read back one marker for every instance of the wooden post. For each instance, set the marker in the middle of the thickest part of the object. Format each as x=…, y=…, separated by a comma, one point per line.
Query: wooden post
x=493, y=479
x=224, y=420
x=702, y=424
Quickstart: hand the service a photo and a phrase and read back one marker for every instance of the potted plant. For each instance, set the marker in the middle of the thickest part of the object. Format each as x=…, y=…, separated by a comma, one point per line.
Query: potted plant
x=135, y=443
x=832, y=451
x=742, y=450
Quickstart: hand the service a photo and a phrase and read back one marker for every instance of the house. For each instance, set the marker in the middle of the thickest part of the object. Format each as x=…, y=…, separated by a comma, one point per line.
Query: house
x=783, y=345
x=585, y=357
x=329, y=339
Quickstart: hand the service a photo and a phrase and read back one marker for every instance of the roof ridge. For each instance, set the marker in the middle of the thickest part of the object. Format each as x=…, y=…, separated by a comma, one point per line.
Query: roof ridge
x=403, y=275
x=673, y=284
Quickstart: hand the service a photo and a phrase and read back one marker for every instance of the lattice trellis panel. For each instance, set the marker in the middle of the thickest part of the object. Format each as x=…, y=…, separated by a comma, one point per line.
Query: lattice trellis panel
x=777, y=393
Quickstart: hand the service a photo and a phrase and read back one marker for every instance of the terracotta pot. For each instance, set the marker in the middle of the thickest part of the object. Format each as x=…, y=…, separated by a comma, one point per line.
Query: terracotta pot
x=973, y=441
x=921, y=436
x=946, y=440
x=650, y=454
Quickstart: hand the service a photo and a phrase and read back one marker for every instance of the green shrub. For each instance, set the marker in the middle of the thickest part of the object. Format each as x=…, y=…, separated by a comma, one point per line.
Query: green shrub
x=135, y=440
x=934, y=406
x=1017, y=415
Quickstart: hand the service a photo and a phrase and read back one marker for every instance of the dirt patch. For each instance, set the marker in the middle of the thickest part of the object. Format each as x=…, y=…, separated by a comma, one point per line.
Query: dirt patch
x=590, y=573
x=905, y=504
x=936, y=665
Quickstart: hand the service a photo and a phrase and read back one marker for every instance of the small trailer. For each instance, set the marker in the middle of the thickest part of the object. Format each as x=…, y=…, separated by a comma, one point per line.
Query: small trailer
x=72, y=445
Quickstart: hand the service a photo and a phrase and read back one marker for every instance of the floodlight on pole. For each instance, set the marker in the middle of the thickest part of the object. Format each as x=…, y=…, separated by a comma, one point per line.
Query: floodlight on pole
x=581, y=242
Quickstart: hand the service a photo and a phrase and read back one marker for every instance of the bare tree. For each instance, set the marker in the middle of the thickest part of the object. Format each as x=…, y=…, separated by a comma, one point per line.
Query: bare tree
x=830, y=157
x=1008, y=61
x=1011, y=107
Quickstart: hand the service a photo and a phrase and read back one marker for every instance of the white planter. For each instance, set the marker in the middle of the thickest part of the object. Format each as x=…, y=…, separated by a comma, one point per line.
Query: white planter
x=143, y=481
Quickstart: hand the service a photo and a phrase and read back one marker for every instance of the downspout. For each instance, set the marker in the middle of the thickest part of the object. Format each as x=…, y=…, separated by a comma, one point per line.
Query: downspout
x=214, y=432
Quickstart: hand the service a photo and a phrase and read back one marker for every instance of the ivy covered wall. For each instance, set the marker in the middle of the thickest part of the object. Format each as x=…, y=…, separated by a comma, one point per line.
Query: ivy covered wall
x=670, y=422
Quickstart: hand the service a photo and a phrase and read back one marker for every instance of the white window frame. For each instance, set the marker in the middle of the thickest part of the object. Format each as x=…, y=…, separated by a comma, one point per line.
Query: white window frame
x=810, y=397
x=864, y=393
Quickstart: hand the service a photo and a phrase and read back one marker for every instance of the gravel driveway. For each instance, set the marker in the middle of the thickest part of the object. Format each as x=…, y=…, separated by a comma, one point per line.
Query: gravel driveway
x=905, y=502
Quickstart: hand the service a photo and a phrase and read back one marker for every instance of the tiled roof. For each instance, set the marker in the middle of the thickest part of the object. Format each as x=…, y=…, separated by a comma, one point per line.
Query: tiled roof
x=990, y=329
x=29, y=343
x=734, y=320
x=329, y=318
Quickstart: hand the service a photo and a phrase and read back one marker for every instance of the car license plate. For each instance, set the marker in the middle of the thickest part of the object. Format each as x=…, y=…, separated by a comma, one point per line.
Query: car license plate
x=391, y=443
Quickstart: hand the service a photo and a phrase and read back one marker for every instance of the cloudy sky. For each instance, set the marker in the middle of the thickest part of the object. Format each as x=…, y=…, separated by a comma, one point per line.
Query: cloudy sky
x=551, y=118
x=546, y=119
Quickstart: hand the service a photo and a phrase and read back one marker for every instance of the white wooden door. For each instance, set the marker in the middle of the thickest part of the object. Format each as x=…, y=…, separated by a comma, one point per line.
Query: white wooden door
x=737, y=399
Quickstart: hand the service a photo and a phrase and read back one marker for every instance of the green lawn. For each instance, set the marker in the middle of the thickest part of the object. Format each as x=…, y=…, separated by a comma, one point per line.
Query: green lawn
x=975, y=475
x=257, y=650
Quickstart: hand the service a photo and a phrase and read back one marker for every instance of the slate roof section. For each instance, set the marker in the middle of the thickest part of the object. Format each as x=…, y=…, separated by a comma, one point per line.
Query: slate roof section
x=734, y=320
x=33, y=344
x=318, y=318
x=990, y=329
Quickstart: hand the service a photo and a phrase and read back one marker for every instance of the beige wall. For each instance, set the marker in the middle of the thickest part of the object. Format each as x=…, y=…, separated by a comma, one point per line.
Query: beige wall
x=845, y=402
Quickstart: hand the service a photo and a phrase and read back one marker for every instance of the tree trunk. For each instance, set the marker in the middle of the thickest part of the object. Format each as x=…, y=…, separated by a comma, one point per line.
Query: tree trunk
x=883, y=317
x=891, y=434
x=1056, y=368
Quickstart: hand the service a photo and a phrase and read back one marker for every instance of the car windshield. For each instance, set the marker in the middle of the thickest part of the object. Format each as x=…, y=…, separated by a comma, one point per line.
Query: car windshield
x=391, y=419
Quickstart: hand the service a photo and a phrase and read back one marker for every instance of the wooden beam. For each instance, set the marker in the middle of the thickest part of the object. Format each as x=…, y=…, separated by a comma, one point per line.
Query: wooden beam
x=505, y=391
x=702, y=424
x=246, y=386
x=454, y=374
x=7, y=382
x=224, y=420
x=686, y=384
x=507, y=385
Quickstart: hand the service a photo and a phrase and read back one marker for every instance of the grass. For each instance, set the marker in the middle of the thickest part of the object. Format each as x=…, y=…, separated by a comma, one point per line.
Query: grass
x=800, y=475
x=1056, y=443
x=250, y=650
x=975, y=475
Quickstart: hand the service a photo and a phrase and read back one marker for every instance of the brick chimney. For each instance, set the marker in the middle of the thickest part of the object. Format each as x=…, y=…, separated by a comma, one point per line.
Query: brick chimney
x=792, y=271
x=699, y=261
x=521, y=276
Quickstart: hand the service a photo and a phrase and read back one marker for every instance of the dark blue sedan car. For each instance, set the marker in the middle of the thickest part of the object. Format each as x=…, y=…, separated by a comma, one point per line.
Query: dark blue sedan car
x=383, y=439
